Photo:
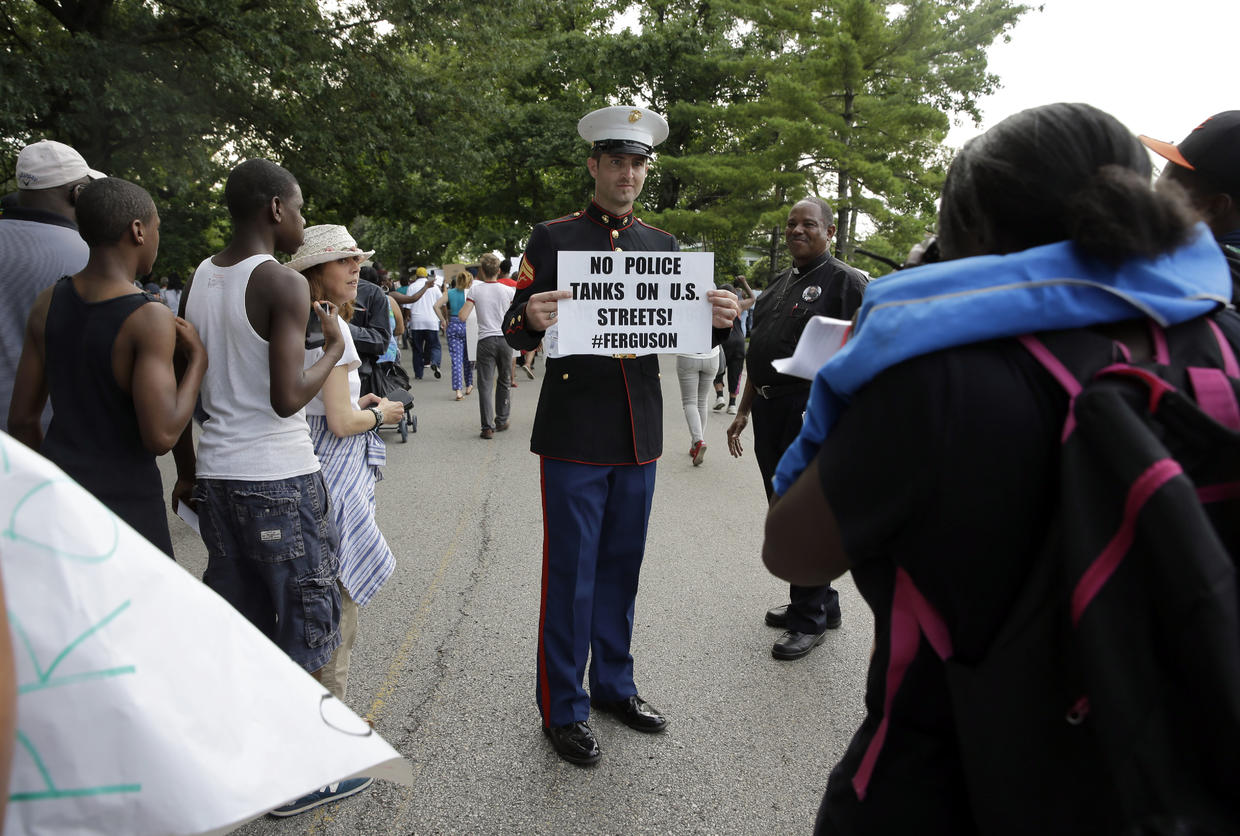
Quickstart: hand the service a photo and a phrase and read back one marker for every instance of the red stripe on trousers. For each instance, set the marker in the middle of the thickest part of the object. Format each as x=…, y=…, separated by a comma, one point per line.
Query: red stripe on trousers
x=542, y=606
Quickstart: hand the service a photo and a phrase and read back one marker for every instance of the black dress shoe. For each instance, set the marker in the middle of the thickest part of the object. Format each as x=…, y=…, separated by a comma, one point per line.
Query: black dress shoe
x=575, y=743
x=794, y=645
x=635, y=713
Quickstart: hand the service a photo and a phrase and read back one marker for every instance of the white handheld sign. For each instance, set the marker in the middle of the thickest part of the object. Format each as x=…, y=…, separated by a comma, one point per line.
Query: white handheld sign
x=635, y=302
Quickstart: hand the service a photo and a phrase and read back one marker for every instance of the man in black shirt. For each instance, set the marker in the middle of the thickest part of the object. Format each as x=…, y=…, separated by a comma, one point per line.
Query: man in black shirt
x=816, y=285
x=369, y=326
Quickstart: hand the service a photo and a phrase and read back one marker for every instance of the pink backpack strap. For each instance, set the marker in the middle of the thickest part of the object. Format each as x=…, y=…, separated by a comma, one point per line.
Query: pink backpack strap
x=1158, y=387
x=912, y=616
x=1230, y=367
x=1221, y=492
x=1058, y=371
x=1158, y=336
x=1105, y=564
x=1215, y=396
x=1213, y=388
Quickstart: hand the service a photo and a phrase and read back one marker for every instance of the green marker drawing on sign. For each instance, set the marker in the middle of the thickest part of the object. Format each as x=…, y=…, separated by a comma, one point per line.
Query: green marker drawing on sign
x=45, y=679
x=53, y=791
x=12, y=533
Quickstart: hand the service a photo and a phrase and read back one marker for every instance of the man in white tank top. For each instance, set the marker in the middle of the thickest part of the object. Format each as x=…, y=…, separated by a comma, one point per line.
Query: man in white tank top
x=255, y=481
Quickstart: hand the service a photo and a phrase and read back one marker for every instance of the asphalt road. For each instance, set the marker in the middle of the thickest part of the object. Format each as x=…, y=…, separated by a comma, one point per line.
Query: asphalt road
x=444, y=663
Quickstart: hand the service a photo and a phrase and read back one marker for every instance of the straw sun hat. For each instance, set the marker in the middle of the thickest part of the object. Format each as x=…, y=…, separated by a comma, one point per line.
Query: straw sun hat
x=324, y=243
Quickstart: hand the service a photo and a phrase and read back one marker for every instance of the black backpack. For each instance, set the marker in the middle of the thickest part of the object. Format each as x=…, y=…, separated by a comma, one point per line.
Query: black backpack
x=1109, y=701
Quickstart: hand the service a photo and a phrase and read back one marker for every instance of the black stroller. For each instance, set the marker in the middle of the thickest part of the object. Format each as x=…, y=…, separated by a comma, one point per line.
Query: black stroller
x=391, y=381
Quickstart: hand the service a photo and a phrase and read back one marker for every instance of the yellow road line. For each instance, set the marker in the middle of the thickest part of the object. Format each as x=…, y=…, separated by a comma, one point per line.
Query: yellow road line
x=395, y=669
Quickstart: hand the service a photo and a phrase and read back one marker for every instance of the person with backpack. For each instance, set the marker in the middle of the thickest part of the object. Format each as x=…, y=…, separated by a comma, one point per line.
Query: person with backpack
x=1003, y=479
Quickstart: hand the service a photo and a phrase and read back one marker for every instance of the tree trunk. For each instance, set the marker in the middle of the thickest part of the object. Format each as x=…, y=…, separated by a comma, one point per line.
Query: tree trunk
x=845, y=216
x=772, y=255
x=852, y=237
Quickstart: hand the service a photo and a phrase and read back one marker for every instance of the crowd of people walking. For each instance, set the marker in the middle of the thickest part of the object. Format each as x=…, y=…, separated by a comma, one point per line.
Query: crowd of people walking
x=927, y=457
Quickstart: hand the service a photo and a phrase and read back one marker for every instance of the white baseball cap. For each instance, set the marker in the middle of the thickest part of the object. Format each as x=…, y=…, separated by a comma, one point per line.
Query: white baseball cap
x=46, y=164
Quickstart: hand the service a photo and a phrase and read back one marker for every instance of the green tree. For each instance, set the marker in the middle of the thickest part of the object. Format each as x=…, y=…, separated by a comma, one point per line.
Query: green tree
x=172, y=94
x=849, y=99
x=728, y=160
x=883, y=81
x=444, y=132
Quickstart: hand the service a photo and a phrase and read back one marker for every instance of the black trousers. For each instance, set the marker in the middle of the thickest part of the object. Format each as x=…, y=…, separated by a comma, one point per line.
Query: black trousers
x=776, y=423
x=734, y=357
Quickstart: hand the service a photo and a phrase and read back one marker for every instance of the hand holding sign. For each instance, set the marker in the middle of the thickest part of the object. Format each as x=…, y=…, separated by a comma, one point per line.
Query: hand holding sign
x=724, y=307
x=542, y=309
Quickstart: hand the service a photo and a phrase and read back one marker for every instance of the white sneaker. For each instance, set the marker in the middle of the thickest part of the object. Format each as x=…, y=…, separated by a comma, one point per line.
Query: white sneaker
x=731, y=409
x=720, y=403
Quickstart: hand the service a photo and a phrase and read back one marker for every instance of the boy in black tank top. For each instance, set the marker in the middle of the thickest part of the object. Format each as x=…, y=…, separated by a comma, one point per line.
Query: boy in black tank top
x=92, y=340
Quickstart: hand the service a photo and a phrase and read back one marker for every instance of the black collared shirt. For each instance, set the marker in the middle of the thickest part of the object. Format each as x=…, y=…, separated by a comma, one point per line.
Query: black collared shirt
x=825, y=286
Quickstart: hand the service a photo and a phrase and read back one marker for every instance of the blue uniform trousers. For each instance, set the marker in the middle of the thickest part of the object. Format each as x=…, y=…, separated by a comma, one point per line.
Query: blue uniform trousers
x=594, y=536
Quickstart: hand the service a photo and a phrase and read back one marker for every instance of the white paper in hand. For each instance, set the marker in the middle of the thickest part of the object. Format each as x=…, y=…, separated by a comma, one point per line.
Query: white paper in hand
x=821, y=339
x=187, y=514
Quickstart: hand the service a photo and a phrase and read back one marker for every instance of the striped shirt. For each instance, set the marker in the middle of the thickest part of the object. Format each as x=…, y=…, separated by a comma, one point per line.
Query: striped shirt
x=350, y=469
x=36, y=249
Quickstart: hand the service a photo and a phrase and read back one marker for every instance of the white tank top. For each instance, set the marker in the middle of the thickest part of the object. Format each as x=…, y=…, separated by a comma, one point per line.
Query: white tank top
x=242, y=438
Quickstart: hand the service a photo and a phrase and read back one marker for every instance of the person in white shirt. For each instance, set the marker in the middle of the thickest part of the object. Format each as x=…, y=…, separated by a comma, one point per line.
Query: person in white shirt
x=343, y=424
x=494, y=366
x=424, y=323
x=254, y=481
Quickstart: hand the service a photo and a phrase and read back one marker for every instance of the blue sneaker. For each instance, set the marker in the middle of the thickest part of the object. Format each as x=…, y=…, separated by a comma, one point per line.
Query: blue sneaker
x=324, y=795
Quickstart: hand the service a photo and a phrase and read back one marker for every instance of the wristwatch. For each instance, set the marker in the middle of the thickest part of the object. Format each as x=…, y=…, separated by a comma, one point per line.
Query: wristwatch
x=378, y=417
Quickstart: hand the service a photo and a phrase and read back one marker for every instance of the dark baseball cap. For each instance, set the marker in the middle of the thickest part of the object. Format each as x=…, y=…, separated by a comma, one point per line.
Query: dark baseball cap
x=1212, y=149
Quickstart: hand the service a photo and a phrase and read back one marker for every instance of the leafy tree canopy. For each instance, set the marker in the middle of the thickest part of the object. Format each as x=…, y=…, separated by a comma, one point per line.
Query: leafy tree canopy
x=441, y=130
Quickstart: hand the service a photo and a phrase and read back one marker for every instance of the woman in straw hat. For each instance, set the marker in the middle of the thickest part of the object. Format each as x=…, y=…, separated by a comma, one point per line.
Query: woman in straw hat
x=343, y=424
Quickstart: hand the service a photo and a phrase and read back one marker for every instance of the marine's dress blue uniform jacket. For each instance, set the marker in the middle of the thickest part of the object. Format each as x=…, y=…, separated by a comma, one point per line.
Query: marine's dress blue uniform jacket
x=593, y=409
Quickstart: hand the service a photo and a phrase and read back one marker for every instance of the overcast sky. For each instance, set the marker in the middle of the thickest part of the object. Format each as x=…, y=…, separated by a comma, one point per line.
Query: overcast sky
x=1159, y=67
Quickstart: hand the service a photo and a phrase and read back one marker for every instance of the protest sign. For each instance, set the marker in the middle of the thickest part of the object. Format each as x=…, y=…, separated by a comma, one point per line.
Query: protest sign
x=635, y=303
x=146, y=703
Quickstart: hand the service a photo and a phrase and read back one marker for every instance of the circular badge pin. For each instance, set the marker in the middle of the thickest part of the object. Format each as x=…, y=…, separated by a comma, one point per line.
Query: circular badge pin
x=811, y=293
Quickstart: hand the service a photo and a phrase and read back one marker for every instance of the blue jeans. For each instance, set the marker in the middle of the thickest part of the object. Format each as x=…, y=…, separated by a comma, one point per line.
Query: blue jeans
x=271, y=553
x=426, y=350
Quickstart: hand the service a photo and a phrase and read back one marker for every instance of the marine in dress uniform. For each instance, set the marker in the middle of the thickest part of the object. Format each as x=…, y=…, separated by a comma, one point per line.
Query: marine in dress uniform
x=598, y=430
x=817, y=284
